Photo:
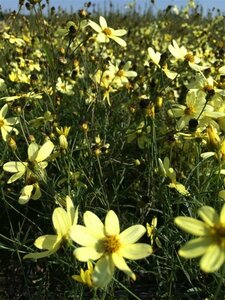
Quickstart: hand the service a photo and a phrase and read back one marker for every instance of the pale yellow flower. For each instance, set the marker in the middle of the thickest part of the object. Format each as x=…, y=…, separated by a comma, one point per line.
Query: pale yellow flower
x=7, y=125
x=105, y=243
x=62, y=221
x=210, y=243
x=106, y=33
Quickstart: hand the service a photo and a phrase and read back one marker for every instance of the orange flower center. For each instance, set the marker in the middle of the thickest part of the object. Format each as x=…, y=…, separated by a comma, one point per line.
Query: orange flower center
x=189, y=57
x=208, y=88
x=107, y=31
x=120, y=73
x=189, y=110
x=111, y=243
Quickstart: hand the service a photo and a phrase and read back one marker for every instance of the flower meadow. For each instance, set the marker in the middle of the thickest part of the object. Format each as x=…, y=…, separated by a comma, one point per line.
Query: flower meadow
x=112, y=153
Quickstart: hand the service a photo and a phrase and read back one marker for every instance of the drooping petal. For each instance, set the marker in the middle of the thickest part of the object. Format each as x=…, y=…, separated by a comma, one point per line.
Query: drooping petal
x=32, y=151
x=135, y=251
x=15, y=166
x=45, y=151
x=47, y=242
x=208, y=215
x=121, y=264
x=37, y=193
x=112, y=225
x=38, y=255
x=11, y=121
x=60, y=221
x=26, y=194
x=16, y=176
x=132, y=234
x=213, y=259
x=93, y=223
x=192, y=225
x=103, y=272
x=86, y=254
x=196, y=247
x=83, y=236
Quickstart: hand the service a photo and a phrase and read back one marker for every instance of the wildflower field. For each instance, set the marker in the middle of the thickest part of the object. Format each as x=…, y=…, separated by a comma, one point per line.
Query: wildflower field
x=112, y=157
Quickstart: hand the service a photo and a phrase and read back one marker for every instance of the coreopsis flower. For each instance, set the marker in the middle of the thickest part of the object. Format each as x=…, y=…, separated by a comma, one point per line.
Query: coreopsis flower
x=151, y=231
x=34, y=166
x=7, y=125
x=121, y=72
x=105, y=243
x=195, y=107
x=210, y=241
x=64, y=87
x=156, y=57
x=181, y=53
x=106, y=33
x=62, y=222
x=30, y=191
x=168, y=172
x=85, y=277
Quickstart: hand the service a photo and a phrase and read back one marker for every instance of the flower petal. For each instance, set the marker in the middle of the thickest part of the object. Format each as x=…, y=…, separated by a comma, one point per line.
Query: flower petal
x=95, y=26
x=132, y=234
x=135, y=251
x=26, y=194
x=83, y=236
x=61, y=221
x=45, y=151
x=208, y=215
x=47, y=242
x=86, y=254
x=3, y=111
x=103, y=272
x=102, y=22
x=213, y=259
x=112, y=225
x=192, y=225
x=195, y=247
x=37, y=255
x=15, y=166
x=32, y=151
x=121, y=264
x=93, y=223
x=72, y=214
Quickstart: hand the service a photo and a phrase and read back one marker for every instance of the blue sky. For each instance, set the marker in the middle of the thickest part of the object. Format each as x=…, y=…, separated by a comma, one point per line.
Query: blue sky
x=77, y=4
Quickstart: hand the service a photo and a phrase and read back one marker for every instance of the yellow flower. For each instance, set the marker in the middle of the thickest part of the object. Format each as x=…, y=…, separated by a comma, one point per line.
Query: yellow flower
x=85, y=277
x=106, y=33
x=62, y=221
x=210, y=243
x=181, y=53
x=7, y=125
x=105, y=243
x=35, y=165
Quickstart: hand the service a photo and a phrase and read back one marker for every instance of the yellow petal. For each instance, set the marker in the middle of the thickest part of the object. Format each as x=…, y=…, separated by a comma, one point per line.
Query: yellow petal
x=86, y=254
x=45, y=151
x=112, y=225
x=83, y=236
x=213, y=259
x=132, y=234
x=135, y=251
x=195, y=247
x=47, y=242
x=60, y=221
x=103, y=272
x=208, y=215
x=120, y=263
x=192, y=225
x=93, y=223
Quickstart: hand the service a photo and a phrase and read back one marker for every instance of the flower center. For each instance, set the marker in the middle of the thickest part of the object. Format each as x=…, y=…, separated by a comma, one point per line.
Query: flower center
x=111, y=243
x=208, y=88
x=189, y=57
x=107, y=31
x=120, y=73
x=189, y=110
x=218, y=231
x=1, y=122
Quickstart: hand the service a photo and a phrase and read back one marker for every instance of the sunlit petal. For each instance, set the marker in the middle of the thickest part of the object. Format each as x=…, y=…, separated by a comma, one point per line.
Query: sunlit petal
x=132, y=234
x=135, y=251
x=86, y=254
x=112, y=225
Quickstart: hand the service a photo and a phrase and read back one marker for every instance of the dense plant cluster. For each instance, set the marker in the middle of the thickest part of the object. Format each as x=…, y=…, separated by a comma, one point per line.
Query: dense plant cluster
x=118, y=118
